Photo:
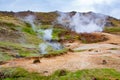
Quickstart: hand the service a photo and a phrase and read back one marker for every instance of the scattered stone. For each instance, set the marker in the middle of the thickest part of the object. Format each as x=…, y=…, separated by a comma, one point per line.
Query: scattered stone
x=90, y=50
x=36, y=61
x=94, y=78
x=71, y=41
x=18, y=56
x=67, y=45
x=114, y=43
x=104, y=62
x=62, y=73
x=70, y=50
x=2, y=62
x=45, y=71
x=96, y=51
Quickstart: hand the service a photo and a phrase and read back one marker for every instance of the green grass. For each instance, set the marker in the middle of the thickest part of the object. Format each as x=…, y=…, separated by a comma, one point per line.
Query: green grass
x=56, y=33
x=113, y=49
x=5, y=56
x=25, y=50
x=88, y=74
x=56, y=52
x=44, y=26
x=29, y=30
x=112, y=29
x=19, y=74
x=32, y=39
x=80, y=50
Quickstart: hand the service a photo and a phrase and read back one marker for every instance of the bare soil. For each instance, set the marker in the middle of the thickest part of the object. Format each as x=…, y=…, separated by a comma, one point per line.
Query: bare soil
x=85, y=56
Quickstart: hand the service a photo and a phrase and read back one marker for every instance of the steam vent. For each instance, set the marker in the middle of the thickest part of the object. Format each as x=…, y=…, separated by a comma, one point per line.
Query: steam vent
x=80, y=41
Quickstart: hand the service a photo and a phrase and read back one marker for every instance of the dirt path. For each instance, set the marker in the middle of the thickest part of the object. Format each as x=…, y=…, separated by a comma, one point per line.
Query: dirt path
x=86, y=56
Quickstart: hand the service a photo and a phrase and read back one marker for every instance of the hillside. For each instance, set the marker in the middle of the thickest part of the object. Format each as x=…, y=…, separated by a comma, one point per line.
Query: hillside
x=29, y=36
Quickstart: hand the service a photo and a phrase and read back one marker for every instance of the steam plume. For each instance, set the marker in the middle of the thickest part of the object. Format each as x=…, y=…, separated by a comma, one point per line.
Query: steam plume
x=82, y=22
x=30, y=19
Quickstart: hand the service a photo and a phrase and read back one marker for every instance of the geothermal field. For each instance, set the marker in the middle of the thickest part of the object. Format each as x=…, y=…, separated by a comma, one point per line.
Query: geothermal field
x=59, y=46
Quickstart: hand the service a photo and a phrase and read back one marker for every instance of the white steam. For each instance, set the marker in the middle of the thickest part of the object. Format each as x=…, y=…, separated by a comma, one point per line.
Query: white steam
x=55, y=45
x=47, y=34
x=44, y=34
x=43, y=48
x=30, y=19
x=82, y=22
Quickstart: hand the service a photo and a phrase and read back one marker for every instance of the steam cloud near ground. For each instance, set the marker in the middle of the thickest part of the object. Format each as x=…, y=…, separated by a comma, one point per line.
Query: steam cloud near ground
x=82, y=23
x=78, y=22
x=44, y=34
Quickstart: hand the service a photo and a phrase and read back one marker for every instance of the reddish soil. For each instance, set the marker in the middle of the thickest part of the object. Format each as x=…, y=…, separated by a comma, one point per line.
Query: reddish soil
x=86, y=56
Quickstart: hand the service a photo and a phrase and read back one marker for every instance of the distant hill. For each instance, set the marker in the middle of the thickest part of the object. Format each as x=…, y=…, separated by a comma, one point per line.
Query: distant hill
x=49, y=17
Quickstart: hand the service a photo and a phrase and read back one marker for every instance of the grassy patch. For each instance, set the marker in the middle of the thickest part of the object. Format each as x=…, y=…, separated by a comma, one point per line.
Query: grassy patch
x=56, y=53
x=56, y=33
x=32, y=39
x=44, y=26
x=63, y=34
x=11, y=21
x=15, y=49
x=112, y=29
x=5, y=56
x=79, y=50
x=19, y=74
x=28, y=29
x=92, y=37
x=113, y=49
x=92, y=74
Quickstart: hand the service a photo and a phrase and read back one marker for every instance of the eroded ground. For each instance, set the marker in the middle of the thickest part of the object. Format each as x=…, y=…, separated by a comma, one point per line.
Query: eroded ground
x=83, y=56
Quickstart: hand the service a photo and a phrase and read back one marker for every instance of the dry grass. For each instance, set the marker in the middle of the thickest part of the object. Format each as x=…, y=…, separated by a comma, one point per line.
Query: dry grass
x=92, y=37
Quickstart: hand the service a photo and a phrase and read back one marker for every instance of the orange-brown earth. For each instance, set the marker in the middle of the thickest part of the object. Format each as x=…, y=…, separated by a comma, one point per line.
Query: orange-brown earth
x=84, y=56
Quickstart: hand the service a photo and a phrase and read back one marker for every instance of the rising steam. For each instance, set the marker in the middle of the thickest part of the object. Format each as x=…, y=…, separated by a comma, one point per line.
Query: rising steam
x=30, y=19
x=44, y=34
x=82, y=22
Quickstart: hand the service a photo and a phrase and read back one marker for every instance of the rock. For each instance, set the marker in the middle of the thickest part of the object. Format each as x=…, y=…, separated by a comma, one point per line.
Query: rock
x=45, y=71
x=104, y=62
x=62, y=73
x=94, y=78
x=2, y=62
x=70, y=50
x=36, y=61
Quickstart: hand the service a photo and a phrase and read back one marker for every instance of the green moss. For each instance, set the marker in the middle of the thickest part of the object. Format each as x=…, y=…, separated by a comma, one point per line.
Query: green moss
x=5, y=56
x=113, y=48
x=44, y=26
x=112, y=29
x=52, y=52
x=58, y=52
x=19, y=74
x=24, y=50
x=28, y=29
x=79, y=50
x=56, y=33
x=32, y=39
x=88, y=74
x=99, y=74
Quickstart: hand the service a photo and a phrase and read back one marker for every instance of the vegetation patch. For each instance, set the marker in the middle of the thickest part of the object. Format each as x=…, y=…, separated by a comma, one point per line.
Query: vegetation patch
x=14, y=50
x=56, y=33
x=4, y=56
x=55, y=53
x=80, y=50
x=88, y=74
x=115, y=30
x=92, y=37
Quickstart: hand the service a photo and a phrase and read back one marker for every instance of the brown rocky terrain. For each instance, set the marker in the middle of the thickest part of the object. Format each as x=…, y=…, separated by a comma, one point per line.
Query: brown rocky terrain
x=84, y=56
x=19, y=44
